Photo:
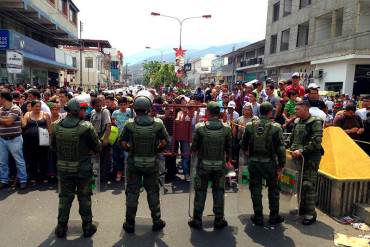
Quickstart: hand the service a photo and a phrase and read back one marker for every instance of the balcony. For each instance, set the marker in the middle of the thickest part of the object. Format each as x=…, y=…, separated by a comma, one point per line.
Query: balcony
x=40, y=14
x=251, y=63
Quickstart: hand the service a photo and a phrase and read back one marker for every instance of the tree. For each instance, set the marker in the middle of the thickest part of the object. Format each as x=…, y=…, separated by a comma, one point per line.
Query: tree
x=157, y=74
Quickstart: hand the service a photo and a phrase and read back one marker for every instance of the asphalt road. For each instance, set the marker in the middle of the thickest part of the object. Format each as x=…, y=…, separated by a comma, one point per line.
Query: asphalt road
x=28, y=219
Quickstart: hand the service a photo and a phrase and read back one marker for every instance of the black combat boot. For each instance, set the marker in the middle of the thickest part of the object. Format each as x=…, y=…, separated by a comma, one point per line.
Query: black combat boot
x=196, y=222
x=129, y=226
x=158, y=225
x=89, y=229
x=309, y=220
x=61, y=230
x=257, y=218
x=276, y=219
x=220, y=223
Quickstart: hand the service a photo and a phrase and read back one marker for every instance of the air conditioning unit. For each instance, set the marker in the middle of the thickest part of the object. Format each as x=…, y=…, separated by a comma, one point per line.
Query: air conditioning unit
x=318, y=74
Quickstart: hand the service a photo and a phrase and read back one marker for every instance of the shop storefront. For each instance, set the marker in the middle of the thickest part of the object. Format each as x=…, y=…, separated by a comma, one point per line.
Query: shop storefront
x=42, y=63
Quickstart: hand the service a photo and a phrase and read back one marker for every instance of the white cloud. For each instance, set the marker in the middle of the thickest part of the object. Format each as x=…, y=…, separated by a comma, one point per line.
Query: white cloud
x=128, y=25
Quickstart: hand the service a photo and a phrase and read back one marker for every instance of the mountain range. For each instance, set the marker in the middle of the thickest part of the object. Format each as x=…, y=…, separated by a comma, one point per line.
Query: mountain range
x=169, y=54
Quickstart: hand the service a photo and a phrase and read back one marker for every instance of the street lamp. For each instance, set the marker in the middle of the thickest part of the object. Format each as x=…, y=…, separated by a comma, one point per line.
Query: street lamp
x=181, y=21
x=160, y=50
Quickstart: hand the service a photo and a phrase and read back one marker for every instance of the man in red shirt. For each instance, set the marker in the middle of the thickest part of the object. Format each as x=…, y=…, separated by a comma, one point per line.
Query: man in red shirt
x=296, y=86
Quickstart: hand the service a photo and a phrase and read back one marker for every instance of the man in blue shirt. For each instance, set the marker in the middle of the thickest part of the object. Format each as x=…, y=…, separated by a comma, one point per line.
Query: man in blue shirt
x=119, y=118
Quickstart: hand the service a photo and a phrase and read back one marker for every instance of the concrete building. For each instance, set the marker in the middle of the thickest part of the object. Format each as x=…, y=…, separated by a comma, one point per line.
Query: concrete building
x=36, y=28
x=200, y=70
x=96, y=64
x=246, y=63
x=327, y=41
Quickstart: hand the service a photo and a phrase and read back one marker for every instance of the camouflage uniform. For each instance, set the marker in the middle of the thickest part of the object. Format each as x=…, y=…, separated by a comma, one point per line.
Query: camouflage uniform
x=143, y=135
x=307, y=137
x=264, y=141
x=73, y=140
x=212, y=140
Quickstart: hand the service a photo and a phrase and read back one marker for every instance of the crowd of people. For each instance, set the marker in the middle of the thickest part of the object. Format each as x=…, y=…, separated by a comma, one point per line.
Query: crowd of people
x=27, y=114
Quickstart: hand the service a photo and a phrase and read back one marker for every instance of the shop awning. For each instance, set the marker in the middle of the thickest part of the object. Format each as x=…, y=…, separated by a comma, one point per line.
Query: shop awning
x=32, y=57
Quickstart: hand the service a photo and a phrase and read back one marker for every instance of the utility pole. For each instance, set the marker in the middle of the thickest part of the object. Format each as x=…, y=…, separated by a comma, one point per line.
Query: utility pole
x=81, y=47
x=126, y=73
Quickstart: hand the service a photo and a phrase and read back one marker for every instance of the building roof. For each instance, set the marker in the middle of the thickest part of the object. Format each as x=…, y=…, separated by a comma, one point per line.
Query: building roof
x=92, y=43
x=95, y=43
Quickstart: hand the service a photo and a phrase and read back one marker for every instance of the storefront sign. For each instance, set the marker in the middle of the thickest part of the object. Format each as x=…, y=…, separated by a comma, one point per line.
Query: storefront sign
x=4, y=39
x=14, y=61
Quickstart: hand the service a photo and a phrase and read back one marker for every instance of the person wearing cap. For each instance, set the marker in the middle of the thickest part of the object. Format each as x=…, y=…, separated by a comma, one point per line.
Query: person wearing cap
x=296, y=86
x=313, y=97
x=74, y=139
x=231, y=115
x=305, y=142
x=211, y=143
x=263, y=140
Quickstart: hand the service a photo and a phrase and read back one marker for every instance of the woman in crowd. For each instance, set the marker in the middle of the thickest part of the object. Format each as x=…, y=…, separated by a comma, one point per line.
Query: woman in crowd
x=36, y=156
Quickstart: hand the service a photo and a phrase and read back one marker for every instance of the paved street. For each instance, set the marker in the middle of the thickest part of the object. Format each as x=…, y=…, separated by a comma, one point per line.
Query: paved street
x=29, y=218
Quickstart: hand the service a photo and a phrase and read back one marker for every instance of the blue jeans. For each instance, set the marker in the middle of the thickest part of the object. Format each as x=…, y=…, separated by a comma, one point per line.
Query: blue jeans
x=118, y=158
x=185, y=156
x=15, y=147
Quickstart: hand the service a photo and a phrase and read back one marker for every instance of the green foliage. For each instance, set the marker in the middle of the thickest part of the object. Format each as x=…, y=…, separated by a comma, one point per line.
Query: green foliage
x=157, y=74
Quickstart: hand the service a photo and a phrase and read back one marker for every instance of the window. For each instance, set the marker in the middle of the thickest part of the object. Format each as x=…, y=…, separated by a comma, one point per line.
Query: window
x=302, y=37
x=323, y=27
x=74, y=62
x=334, y=86
x=63, y=6
x=276, y=12
x=72, y=16
x=339, y=22
x=304, y=3
x=287, y=7
x=261, y=51
x=285, y=35
x=89, y=63
x=273, y=44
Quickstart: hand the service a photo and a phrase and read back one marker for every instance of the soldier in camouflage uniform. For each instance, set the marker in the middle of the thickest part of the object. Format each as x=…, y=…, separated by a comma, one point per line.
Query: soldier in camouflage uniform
x=143, y=137
x=212, y=142
x=306, y=141
x=74, y=139
x=264, y=141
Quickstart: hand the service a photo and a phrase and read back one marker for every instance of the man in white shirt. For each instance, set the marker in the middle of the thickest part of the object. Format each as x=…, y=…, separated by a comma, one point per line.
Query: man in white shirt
x=365, y=108
x=34, y=94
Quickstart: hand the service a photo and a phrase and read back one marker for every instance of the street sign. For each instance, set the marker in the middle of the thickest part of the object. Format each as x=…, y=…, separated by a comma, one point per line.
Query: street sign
x=4, y=39
x=14, y=61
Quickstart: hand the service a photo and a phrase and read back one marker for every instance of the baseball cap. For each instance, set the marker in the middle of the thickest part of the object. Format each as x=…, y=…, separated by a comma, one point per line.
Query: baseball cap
x=313, y=86
x=296, y=74
x=231, y=105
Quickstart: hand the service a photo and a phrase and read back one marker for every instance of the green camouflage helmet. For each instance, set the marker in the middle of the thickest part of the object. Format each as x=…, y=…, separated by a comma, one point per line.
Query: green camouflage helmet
x=142, y=103
x=74, y=106
x=213, y=108
x=265, y=108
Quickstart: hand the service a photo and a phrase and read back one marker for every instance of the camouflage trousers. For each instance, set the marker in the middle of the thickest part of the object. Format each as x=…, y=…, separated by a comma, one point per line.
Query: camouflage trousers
x=69, y=186
x=201, y=179
x=149, y=178
x=309, y=182
x=267, y=171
